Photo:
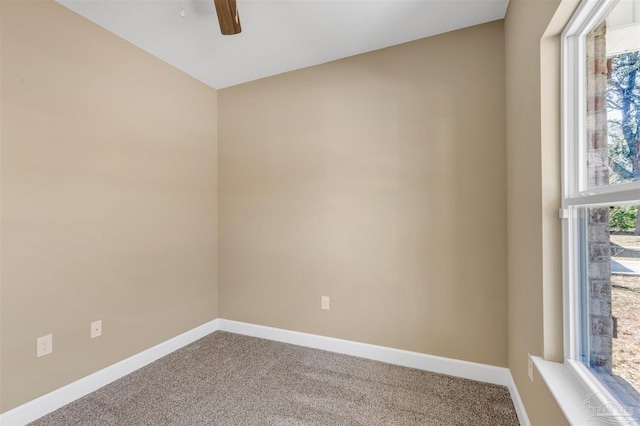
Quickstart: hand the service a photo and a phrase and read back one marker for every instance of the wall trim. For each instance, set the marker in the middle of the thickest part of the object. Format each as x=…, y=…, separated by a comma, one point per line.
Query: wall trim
x=453, y=367
x=58, y=398
x=436, y=364
x=523, y=418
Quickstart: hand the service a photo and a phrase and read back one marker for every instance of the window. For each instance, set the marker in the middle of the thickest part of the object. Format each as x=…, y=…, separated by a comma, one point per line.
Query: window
x=601, y=195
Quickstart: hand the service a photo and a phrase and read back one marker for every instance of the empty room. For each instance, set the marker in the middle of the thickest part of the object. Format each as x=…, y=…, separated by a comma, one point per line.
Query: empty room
x=318, y=212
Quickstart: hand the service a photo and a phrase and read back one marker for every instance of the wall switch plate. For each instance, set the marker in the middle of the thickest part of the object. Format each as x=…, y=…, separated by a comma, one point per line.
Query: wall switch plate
x=44, y=345
x=324, y=304
x=96, y=329
x=530, y=367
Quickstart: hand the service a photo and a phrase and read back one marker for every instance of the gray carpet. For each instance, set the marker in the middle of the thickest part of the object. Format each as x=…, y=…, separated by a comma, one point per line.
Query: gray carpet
x=229, y=379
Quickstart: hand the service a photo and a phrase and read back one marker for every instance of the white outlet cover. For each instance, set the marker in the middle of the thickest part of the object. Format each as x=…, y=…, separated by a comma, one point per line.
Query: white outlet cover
x=324, y=304
x=96, y=329
x=44, y=345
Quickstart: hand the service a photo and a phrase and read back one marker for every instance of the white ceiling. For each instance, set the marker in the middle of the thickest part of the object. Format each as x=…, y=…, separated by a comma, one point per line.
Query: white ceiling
x=277, y=35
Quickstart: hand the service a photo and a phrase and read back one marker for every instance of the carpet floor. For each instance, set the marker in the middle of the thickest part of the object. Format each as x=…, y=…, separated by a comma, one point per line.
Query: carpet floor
x=230, y=379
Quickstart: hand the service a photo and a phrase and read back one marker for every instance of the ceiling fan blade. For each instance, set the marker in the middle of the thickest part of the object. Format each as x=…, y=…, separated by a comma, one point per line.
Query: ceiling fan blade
x=228, y=16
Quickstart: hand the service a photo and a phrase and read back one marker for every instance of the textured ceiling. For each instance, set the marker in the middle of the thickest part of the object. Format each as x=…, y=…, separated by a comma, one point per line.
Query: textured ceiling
x=277, y=36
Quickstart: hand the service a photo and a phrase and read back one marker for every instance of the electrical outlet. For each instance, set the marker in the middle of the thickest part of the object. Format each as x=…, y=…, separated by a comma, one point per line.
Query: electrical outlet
x=96, y=329
x=44, y=345
x=530, y=367
x=324, y=304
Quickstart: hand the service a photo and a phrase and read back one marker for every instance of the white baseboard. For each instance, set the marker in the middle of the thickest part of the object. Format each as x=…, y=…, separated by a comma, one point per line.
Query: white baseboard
x=45, y=404
x=469, y=370
x=517, y=402
x=452, y=367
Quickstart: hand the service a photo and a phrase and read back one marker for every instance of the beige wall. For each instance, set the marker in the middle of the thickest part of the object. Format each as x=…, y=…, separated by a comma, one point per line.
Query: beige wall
x=532, y=51
x=378, y=180
x=108, y=199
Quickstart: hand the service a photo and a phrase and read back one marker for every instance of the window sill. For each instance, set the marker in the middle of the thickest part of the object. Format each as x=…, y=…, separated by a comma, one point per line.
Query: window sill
x=573, y=395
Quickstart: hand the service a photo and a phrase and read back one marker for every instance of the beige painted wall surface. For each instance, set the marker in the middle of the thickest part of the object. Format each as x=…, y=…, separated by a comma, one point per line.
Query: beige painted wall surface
x=378, y=180
x=108, y=199
x=533, y=176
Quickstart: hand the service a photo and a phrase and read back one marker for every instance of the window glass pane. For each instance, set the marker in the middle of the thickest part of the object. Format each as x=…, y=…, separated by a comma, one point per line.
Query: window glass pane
x=613, y=98
x=610, y=300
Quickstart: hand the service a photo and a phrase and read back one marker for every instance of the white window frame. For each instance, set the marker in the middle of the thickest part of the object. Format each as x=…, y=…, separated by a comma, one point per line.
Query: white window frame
x=575, y=193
